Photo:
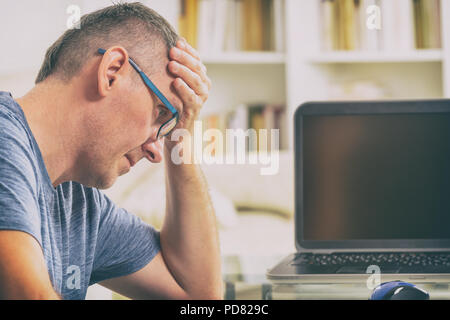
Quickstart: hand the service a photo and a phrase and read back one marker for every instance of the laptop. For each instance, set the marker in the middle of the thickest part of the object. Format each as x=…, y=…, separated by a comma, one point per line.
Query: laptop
x=372, y=192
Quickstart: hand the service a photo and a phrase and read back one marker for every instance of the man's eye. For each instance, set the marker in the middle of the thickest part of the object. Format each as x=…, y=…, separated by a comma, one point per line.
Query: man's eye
x=162, y=113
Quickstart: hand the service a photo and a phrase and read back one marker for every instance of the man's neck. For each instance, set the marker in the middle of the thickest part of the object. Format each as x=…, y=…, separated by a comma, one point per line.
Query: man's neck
x=45, y=108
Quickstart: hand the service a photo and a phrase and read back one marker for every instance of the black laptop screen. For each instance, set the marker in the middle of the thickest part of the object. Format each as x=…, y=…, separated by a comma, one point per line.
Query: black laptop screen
x=376, y=176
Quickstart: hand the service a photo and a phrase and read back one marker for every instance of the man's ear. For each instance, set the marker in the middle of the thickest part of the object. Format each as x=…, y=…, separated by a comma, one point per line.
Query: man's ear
x=114, y=64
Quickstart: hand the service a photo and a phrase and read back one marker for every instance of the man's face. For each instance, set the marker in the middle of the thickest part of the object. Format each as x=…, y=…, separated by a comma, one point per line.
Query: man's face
x=126, y=131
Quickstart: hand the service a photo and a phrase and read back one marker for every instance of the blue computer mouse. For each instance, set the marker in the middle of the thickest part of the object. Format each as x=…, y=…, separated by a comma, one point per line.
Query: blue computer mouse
x=399, y=290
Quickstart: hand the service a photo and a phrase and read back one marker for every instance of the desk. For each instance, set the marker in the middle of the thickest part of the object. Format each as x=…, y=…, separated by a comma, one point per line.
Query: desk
x=245, y=279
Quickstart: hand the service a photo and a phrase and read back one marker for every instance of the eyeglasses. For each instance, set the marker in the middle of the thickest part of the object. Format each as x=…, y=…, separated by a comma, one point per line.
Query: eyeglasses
x=168, y=120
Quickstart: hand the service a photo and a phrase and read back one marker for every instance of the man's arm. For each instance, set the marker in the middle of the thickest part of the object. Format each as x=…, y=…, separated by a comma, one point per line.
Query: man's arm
x=23, y=272
x=189, y=265
x=189, y=240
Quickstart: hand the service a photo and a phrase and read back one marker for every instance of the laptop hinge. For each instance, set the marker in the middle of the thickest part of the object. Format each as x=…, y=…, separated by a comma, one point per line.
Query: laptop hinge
x=329, y=251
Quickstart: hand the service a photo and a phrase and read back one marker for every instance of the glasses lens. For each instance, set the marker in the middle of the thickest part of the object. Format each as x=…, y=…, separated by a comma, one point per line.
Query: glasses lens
x=167, y=127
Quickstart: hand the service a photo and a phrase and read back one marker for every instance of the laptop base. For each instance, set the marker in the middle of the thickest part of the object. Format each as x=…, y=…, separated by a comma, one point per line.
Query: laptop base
x=286, y=272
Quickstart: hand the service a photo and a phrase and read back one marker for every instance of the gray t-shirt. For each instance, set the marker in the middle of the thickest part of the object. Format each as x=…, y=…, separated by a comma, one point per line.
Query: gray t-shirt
x=85, y=238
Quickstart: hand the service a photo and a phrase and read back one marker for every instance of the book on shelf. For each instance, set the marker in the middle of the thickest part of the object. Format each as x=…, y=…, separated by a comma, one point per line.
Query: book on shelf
x=204, y=42
x=275, y=117
x=328, y=16
x=347, y=28
x=256, y=122
x=253, y=25
x=344, y=25
x=187, y=21
x=257, y=117
x=397, y=25
x=251, y=116
x=370, y=18
x=427, y=24
x=237, y=118
x=387, y=25
x=211, y=25
x=233, y=25
x=217, y=122
x=278, y=25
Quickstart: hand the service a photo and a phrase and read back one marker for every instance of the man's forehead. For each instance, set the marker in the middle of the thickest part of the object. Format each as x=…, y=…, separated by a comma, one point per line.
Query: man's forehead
x=164, y=82
x=160, y=75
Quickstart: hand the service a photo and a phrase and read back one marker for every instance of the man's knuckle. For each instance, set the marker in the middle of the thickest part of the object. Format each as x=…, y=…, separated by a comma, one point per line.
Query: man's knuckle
x=192, y=99
x=205, y=89
x=200, y=101
x=190, y=113
x=195, y=79
x=198, y=67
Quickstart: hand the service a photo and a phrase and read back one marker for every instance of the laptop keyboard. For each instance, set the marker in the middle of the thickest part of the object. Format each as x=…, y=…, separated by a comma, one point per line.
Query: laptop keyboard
x=400, y=259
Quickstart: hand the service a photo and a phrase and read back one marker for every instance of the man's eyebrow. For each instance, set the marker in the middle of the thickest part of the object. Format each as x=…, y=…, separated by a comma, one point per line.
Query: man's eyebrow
x=176, y=105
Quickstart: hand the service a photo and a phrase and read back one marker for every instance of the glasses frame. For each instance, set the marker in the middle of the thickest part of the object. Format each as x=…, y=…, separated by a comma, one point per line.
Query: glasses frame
x=156, y=91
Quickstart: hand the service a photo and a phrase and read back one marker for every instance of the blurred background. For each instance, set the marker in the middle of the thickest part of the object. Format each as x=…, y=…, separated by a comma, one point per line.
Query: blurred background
x=265, y=58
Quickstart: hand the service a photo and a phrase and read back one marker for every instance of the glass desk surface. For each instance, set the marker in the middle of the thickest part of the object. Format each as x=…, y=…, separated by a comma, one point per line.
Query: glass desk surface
x=245, y=279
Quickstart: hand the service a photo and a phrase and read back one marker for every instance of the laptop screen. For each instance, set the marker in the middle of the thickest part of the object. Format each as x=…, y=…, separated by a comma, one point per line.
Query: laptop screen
x=376, y=176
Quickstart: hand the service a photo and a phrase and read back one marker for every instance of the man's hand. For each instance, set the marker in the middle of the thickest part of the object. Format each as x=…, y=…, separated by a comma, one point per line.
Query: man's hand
x=192, y=84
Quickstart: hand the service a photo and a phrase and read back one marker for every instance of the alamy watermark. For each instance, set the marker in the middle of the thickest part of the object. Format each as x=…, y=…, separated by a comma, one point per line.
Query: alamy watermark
x=229, y=148
x=74, y=277
x=73, y=21
x=374, y=279
x=373, y=21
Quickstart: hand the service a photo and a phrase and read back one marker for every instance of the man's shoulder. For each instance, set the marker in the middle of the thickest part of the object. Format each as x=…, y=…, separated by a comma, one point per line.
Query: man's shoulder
x=14, y=139
x=19, y=163
x=11, y=118
x=8, y=106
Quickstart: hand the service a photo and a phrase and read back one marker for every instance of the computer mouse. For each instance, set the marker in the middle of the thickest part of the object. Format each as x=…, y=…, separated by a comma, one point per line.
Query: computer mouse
x=399, y=290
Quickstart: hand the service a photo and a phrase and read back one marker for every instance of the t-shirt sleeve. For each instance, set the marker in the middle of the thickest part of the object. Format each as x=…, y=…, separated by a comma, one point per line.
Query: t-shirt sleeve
x=19, y=208
x=125, y=243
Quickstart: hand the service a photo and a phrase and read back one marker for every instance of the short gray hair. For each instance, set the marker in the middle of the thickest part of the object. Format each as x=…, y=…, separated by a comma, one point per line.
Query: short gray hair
x=134, y=26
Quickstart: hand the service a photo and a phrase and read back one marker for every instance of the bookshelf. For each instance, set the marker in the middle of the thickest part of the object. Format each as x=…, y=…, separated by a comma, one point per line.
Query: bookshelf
x=402, y=74
x=293, y=72
x=305, y=71
x=244, y=58
x=242, y=45
x=426, y=55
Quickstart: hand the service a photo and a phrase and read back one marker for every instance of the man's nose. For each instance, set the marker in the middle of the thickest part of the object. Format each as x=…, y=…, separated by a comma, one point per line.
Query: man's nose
x=153, y=150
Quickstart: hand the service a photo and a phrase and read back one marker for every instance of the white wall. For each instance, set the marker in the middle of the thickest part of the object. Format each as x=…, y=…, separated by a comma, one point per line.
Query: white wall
x=28, y=28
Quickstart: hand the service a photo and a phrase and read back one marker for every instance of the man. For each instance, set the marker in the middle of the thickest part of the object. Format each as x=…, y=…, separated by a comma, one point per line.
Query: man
x=93, y=114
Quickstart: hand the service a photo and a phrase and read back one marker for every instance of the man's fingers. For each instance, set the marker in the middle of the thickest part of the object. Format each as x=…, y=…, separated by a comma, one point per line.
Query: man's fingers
x=188, y=96
x=184, y=45
x=192, y=79
x=189, y=61
x=192, y=83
